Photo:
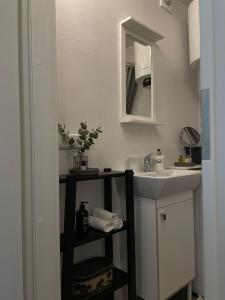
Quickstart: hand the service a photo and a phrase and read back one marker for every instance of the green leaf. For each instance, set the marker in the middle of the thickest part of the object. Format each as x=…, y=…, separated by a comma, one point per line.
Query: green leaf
x=80, y=131
x=71, y=141
x=86, y=137
x=83, y=125
x=95, y=135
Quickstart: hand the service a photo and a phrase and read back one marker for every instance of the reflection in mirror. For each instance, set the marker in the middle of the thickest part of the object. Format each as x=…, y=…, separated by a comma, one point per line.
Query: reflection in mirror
x=189, y=137
x=138, y=77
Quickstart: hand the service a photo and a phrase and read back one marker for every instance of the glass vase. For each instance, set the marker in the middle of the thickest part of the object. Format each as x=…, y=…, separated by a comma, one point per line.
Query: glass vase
x=79, y=160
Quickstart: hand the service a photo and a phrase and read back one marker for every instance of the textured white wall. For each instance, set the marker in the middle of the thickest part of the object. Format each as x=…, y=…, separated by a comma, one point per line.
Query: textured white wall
x=11, y=284
x=88, y=76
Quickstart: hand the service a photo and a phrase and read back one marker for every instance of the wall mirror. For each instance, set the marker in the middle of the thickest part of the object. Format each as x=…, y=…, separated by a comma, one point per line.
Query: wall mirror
x=189, y=137
x=138, y=97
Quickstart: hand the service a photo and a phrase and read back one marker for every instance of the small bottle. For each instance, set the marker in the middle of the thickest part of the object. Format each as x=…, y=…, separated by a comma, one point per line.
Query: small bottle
x=82, y=226
x=181, y=159
x=188, y=159
x=159, y=152
x=83, y=166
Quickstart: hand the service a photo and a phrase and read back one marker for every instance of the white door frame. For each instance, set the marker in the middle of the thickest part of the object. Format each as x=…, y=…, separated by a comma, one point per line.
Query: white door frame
x=38, y=88
x=213, y=80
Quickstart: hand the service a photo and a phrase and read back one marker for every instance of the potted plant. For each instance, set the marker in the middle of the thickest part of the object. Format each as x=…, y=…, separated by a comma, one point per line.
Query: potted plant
x=85, y=140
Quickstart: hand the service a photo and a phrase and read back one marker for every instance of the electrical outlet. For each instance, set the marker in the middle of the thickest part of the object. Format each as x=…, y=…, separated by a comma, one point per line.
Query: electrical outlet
x=166, y=4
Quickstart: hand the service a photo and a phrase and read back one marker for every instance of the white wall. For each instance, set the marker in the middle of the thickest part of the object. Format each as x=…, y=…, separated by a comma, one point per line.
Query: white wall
x=11, y=283
x=88, y=76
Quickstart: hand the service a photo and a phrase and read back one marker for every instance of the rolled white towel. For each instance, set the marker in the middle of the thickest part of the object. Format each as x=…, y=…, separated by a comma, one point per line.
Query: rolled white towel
x=100, y=224
x=118, y=224
x=104, y=214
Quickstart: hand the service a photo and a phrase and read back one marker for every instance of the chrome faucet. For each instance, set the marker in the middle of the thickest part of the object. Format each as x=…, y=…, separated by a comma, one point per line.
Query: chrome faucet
x=149, y=162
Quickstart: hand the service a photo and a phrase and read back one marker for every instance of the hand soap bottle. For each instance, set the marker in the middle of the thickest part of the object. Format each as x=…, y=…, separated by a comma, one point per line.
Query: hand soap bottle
x=82, y=226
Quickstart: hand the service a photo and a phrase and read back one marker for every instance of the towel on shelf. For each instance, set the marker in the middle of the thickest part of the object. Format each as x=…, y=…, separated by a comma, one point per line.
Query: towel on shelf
x=100, y=224
x=108, y=216
x=118, y=224
x=104, y=214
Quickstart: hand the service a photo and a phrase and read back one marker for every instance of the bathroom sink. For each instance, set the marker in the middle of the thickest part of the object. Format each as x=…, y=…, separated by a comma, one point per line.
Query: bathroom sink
x=155, y=185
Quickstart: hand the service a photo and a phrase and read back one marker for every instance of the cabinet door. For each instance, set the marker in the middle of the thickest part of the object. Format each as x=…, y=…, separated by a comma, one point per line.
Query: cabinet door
x=175, y=247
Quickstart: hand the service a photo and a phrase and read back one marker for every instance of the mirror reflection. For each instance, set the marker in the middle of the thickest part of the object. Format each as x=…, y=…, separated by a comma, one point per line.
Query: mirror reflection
x=189, y=137
x=138, y=77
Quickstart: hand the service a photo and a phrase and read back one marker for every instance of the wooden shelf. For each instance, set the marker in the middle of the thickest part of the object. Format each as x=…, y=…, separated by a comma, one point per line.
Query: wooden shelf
x=93, y=235
x=120, y=279
x=101, y=175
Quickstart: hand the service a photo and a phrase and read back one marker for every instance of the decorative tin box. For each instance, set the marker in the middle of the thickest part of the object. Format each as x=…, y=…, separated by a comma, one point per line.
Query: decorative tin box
x=92, y=277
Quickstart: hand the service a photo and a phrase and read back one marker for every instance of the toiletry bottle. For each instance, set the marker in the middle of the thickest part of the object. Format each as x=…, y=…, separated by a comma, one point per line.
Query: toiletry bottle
x=82, y=220
x=181, y=159
x=159, y=152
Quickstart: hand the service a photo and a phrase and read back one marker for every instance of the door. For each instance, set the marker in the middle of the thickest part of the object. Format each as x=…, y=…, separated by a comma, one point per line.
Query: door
x=175, y=247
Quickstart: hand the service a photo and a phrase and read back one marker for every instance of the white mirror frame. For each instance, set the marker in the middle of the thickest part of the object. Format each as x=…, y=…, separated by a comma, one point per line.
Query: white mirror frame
x=134, y=28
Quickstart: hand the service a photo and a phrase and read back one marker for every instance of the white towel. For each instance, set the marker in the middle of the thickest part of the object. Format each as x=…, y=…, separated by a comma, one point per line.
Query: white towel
x=104, y=214
x=108, y=216
x=118, y=224
x=100, y=224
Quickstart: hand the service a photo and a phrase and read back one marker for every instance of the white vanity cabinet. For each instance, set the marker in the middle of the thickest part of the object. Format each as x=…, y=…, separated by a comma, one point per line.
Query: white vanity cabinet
x=165, y=245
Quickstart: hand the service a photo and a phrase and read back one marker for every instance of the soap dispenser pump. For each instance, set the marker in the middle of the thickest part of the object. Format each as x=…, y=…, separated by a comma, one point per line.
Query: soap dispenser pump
x=82, y=225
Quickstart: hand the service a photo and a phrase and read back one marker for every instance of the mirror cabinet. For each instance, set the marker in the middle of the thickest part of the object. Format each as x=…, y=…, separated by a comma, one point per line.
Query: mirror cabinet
x=138, y=69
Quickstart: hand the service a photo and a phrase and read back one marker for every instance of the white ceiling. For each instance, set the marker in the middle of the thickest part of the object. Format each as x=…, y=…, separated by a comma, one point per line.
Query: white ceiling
x=186, y=2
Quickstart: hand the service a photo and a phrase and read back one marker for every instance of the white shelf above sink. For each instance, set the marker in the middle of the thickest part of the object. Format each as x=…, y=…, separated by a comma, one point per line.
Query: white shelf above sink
x=140, y=120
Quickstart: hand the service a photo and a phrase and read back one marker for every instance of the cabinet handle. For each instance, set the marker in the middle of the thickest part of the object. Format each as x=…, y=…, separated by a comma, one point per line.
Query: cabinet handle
x=163, y=216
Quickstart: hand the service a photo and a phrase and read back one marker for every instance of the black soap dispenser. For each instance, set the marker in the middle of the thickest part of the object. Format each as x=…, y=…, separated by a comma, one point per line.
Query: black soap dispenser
x=82, y=226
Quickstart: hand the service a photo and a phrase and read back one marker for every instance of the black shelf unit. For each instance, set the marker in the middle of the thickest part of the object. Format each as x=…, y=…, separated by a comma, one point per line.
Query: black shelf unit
x=93, y=235
x=69, y=240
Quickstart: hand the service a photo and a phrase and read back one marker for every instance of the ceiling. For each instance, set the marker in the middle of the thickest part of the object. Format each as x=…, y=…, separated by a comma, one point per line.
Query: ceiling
x=186, y=2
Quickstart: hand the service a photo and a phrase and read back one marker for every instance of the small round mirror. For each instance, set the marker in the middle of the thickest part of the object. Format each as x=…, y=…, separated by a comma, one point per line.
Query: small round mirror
x=189, y=137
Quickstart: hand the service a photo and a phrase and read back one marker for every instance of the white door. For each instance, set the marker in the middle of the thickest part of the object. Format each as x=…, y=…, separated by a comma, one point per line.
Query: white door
x=175, y=247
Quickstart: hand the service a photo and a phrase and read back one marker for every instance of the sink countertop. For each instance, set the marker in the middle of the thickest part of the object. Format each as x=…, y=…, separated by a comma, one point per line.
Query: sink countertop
x=155, y=185
x=169, y=173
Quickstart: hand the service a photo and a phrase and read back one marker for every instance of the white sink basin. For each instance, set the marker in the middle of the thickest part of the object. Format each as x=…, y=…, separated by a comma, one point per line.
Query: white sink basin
x=155, y=185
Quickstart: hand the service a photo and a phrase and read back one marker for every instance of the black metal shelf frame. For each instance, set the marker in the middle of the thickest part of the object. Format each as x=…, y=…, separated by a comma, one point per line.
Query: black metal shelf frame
x=69, y=240
x=93, y=235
